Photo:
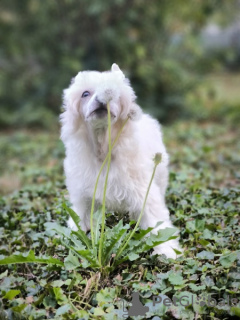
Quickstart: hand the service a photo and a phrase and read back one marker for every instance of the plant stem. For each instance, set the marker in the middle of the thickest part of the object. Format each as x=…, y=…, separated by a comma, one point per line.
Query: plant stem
x=105, y=186
x=140, y=216
x=96, y=184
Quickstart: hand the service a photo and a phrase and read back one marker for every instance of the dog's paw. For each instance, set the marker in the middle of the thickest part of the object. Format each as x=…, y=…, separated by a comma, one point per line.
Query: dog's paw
x=167, y=248
x=71, y=224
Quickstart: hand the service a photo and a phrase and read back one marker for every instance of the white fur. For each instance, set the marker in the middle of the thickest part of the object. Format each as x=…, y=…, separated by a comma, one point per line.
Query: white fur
x=85, y=136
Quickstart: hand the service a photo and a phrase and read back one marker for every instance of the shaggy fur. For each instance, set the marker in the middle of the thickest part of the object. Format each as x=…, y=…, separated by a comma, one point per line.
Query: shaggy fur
x=84, y=133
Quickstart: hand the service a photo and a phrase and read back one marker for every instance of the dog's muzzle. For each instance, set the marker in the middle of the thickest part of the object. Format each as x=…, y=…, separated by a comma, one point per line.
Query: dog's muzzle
x=100, y=110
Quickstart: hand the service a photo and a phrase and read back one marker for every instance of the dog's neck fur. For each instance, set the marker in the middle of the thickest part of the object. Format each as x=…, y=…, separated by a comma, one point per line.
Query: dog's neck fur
x=99, y=138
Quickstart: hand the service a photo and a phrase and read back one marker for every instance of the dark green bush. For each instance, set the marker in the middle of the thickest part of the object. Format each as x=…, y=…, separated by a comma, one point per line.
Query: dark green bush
x=45, y=43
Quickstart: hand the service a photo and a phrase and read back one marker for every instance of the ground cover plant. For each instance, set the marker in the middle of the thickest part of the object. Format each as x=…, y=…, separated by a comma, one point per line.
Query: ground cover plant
x=203, y=196
x=118, y=244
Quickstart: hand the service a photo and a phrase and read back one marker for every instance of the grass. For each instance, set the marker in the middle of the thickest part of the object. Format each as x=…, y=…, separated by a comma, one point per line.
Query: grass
x=204, y=200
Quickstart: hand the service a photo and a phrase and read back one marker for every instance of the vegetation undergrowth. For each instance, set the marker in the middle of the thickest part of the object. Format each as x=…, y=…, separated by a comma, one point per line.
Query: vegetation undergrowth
x=109, y=246
x=203, y=198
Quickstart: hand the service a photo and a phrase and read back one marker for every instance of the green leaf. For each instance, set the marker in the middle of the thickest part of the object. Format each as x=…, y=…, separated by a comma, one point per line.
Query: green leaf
x=60, y=229
x=177, y=251
x=143, y=232
x=85, y=254
x=208, y=281
x=145, y=244
x=19, y=308
x=63, y=310
x=176, y=278
x=71, y=262
x=187, y=296
x=196, y=288
x=203, y=242
x=205, y=255
x=203, y=211
x=10, y=295
x=114, y=239
x=81, y=234
x=59, y=295
x=133, y=256
x=153, y=240
x=82, y=314
x=83, y=237
x=158, y=309
x=106, y=295
x=74, y=240
x=199, y=224
x=89, y=256
x=29, y=258
x=235, y=311
x=67, y=233
x=97, y=221
x=190, y=226
x=73, y=215
x=228, y=260
x=49, y=301
x=207, y=234
x=57, y=283
x=98, y=312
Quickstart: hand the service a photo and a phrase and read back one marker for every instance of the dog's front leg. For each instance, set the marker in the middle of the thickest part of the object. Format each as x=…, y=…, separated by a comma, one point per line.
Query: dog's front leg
x=82, y=208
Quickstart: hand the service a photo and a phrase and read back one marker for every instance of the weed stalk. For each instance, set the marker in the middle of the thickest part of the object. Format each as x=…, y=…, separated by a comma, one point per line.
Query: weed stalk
x=105, y=186
x=97, y=180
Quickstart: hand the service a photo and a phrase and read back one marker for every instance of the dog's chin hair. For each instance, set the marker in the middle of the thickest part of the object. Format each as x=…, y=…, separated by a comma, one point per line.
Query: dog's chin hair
x=96, y=123
x=86, y=142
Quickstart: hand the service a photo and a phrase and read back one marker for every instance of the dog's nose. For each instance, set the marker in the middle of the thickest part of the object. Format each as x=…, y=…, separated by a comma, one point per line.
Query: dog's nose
x=102, y=106
x=100, y=109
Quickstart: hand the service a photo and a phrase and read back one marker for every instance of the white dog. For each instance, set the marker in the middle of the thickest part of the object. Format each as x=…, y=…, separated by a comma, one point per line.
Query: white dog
x=84, y=133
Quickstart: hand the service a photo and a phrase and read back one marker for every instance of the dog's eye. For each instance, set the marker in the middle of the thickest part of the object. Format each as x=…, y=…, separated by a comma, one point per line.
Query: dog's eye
x=85, y=94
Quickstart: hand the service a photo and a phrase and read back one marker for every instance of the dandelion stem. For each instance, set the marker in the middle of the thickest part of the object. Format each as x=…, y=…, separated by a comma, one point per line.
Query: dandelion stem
x=105, y=186
x=96, y=184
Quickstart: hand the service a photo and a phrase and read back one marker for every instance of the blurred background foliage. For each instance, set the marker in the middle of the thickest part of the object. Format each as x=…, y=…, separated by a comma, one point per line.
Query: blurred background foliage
x=183, y=59
x=165, y=48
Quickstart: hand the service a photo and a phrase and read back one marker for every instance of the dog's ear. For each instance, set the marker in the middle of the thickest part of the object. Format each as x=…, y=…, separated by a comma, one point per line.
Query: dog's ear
x=70, y=118
x=71, y=100
x=115, y=68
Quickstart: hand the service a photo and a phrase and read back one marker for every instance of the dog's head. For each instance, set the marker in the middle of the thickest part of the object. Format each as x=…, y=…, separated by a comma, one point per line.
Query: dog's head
x=91, y=91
